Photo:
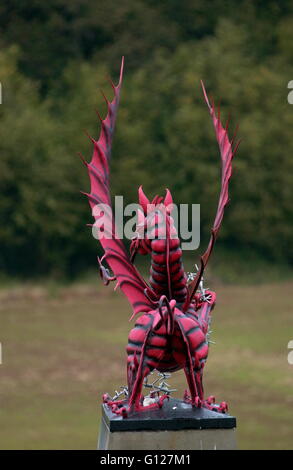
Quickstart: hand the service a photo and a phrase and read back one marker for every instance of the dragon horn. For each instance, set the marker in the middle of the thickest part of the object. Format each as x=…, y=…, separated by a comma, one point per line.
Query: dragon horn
x=168, y=201
x=143, y=200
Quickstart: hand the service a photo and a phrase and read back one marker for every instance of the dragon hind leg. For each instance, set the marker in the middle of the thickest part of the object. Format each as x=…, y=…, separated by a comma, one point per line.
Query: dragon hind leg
x=195, y=397
x=198, y=400
x=146, y=349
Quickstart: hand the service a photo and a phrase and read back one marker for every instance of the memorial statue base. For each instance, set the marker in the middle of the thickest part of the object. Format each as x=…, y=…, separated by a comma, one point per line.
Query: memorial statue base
x=175, y=426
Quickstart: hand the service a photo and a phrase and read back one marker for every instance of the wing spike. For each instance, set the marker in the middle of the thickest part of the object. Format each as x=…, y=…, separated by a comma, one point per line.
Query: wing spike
x=121, y=72
x=105, y=97
x=99, y=116
x=219, y=113
x=205, y=95
x=232, y=142
x=108, y=104
x=89, y=136
x=82, y=159
x=236, y=146
x=111, y=83
x=235, y=133
x=84, y=193
x=213, y=105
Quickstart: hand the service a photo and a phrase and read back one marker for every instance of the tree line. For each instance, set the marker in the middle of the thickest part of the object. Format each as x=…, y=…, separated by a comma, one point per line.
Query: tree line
x=55, y=56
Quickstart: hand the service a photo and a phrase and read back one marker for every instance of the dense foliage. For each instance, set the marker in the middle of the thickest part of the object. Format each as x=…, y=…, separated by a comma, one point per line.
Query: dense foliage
x=53, y=58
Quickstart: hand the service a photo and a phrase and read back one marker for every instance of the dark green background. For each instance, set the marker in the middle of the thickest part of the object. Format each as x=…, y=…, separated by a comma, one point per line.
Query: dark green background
x=54, y=57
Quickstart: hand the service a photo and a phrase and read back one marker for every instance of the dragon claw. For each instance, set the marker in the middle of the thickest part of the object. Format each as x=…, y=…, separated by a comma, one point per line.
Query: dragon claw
x=197, y=402
x=211, y=399
x=210, y=404
x=106, y=398
x=162, y=399
x=120, y=407
x=124, y=412
x=223, y=407
x=186, y=396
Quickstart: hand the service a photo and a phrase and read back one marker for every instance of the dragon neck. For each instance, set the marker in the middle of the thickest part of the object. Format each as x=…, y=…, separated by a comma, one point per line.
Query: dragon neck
x=167, y=276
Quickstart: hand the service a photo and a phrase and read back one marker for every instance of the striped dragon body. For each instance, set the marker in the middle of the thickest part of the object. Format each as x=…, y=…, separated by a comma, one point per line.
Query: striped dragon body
x=166, y=352
x=167, y=276
x=185, y=346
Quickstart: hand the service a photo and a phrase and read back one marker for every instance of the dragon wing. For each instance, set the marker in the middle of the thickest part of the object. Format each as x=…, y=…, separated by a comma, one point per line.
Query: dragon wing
x=128, y=278
x=227, y=154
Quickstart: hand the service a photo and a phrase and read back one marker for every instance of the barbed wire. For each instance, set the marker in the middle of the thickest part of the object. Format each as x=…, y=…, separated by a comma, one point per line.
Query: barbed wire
x=156, y=386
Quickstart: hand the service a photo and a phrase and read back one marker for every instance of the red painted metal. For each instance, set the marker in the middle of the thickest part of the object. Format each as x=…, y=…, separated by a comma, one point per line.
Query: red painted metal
x=172, y=332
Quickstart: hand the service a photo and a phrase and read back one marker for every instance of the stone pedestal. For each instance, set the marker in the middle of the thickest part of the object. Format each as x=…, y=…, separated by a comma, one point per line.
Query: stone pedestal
x=176, y=426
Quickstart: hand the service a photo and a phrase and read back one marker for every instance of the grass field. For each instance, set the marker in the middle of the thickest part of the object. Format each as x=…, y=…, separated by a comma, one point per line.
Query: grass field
x=63, y=348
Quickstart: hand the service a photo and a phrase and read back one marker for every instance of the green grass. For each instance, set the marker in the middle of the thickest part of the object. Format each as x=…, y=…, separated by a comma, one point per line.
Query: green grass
x=63, y=347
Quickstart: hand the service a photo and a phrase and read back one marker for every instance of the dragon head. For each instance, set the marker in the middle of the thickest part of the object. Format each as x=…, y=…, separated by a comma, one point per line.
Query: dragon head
x=154, y=221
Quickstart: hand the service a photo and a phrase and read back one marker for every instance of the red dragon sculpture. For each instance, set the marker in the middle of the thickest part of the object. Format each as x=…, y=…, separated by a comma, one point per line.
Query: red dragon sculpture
x=172, y=332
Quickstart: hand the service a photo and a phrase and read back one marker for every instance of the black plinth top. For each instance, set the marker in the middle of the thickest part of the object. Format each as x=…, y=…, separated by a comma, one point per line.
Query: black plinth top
x=173, y=416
